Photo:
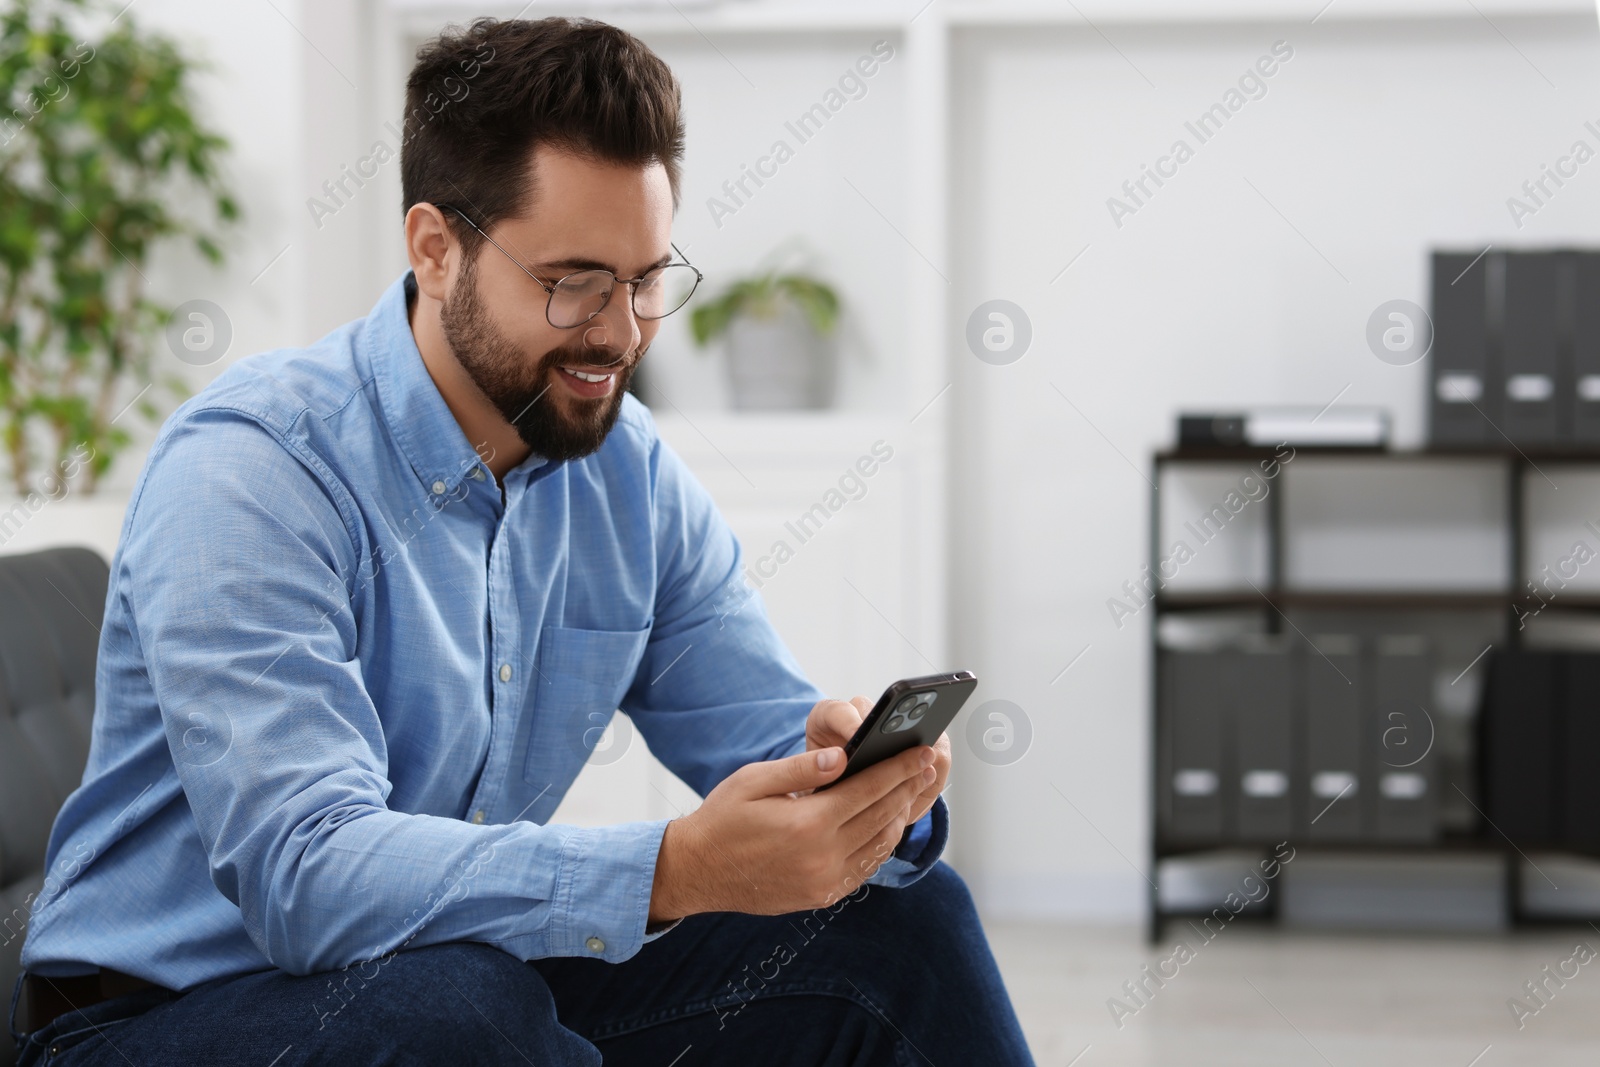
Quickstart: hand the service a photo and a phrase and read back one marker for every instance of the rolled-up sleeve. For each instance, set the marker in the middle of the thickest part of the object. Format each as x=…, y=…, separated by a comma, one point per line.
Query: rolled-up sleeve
x=238, y=564
x=921, y=849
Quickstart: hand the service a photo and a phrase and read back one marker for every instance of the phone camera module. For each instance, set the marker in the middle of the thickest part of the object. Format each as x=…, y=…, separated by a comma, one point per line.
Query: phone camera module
x=909, y=711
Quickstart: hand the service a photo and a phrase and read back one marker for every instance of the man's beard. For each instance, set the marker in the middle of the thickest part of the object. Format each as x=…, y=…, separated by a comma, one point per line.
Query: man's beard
x=502, y=371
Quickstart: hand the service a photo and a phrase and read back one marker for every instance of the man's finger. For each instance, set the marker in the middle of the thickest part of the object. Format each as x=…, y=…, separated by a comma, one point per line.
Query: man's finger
x=794, y=775
x=893, y=804
x=860, y=791
x=846, y=716
x=865, y=861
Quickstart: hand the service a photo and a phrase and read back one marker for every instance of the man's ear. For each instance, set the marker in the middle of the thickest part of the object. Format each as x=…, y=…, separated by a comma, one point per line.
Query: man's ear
x=433, y=253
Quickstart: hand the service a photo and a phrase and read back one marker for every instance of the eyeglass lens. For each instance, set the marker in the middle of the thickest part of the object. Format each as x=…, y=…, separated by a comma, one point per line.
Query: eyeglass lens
x=579, y=297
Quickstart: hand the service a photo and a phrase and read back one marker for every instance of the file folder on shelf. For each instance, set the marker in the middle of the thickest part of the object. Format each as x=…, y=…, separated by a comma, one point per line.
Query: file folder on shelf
x=1519, y=736
x=1462, y=397
x=1580, y=751
x=1258, y=686
x=1402, y=733
x=1191, y=747
x=1585, y=411
x=1332, y=792
x=1531, y=343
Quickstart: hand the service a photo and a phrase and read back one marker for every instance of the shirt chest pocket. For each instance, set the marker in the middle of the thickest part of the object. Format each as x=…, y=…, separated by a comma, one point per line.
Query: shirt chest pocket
x=583, y=676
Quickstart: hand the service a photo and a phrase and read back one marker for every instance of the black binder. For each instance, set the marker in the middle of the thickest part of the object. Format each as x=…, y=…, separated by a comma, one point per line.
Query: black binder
x=1191, y=747
x=1463, y=397
x=1260, y=692
x=1581, y=752
x=1519, y=738
x=1586, y=349
x=1331, y=791
x=1403, y=738
x=1535, y=387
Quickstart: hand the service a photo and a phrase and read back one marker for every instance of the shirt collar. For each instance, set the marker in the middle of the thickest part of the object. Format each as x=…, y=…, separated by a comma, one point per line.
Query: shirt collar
x=416, y=414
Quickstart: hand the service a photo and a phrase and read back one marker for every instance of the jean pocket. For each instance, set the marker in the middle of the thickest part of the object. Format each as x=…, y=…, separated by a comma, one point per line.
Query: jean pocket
x=583, y=676
x=57, y=1045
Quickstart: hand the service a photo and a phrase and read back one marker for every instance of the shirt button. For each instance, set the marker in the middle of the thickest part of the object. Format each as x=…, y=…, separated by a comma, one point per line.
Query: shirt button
x=477, y=816
x=595, y=944
x=477, y=474
x=505, y=672
x=439, y=488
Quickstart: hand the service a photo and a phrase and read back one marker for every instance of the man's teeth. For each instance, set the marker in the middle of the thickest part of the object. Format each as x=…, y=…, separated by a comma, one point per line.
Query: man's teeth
x=586, y=377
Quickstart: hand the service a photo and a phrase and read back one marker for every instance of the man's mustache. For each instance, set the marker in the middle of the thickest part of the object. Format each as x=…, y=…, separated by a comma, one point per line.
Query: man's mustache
x=579, y=360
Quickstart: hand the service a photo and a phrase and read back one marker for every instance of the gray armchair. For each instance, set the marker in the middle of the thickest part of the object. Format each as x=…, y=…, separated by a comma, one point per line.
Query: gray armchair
x=51, y=604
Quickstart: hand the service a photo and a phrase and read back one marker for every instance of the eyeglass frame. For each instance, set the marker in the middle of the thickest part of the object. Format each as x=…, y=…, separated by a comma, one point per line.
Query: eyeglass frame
x=550, y=290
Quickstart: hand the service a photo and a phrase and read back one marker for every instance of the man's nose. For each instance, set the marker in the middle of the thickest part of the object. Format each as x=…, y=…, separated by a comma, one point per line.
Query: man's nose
x=615, y=329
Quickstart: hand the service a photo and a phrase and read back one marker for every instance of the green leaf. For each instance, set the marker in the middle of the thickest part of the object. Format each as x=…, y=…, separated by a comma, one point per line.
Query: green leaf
x=763, y=296
x=111, y=162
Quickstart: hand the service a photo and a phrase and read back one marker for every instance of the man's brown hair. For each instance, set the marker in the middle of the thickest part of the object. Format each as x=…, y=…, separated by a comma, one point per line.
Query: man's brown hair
x=480, y=99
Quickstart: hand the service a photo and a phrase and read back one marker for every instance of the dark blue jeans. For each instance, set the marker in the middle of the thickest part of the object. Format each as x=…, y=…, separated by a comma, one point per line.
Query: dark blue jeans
x=886, y=976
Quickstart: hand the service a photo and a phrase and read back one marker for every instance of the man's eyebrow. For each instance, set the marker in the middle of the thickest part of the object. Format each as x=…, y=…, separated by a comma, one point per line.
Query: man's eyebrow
x=574, y=263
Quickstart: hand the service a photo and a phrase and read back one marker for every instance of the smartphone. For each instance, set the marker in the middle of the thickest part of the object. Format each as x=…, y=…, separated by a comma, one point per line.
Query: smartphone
x=911, y=712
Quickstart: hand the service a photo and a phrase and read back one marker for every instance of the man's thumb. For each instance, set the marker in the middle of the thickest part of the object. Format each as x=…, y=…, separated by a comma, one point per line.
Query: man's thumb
x=792, y=774
x=808, y=770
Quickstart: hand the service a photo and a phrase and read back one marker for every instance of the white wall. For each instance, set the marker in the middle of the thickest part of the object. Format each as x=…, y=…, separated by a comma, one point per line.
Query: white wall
x=1377, y=141
x=251, y=91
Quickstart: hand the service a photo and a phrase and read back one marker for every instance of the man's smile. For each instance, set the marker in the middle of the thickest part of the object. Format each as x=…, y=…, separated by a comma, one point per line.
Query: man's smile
x=590, y=382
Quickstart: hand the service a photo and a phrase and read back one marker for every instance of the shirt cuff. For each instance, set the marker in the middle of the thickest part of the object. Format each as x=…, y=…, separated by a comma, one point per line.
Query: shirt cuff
x=603, y=890
x=655, y=930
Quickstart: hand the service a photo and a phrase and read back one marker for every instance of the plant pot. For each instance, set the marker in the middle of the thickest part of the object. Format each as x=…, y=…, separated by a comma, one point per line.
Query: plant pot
x=34, y=522
x=780, y=363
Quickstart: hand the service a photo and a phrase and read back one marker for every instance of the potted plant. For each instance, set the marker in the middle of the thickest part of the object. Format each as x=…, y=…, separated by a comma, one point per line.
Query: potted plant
x=99, y=147
x=779, y=328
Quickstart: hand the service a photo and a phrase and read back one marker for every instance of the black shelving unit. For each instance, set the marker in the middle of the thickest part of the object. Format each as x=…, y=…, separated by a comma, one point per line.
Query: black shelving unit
x=1274, y=599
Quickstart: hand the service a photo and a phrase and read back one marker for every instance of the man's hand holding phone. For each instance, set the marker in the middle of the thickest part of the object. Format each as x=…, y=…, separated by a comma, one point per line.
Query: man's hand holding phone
x=765, y=843
x=833, y=722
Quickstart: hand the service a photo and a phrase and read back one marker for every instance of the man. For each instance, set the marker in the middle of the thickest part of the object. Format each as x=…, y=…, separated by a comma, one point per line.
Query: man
x=374, y=602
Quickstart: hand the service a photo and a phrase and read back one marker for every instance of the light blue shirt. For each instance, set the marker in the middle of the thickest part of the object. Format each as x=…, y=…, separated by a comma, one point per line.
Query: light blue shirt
x=343, y=685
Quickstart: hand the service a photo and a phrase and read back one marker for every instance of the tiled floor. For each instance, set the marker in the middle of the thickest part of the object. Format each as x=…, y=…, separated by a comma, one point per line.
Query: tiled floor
x=1263, y=996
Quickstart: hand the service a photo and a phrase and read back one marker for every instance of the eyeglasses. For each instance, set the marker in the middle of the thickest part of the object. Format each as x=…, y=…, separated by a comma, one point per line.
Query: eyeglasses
x=578, y=297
